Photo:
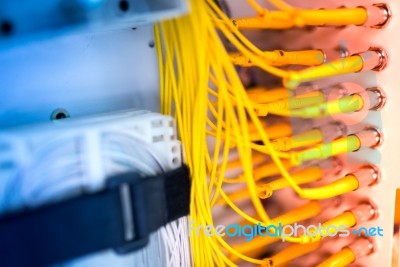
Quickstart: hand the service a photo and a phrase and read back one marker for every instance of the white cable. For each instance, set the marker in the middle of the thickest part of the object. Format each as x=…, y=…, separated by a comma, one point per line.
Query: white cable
x=60, y=171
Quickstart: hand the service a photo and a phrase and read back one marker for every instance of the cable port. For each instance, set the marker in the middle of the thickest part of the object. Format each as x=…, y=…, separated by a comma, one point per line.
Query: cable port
x=379, y=16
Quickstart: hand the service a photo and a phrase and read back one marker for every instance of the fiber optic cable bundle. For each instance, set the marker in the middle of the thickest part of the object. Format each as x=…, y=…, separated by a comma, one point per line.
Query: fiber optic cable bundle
x=50, y=163
x=282, y=142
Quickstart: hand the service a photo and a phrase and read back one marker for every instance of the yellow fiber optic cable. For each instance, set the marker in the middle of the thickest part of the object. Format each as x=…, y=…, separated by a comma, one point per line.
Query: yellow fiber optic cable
x=305, y=211
x=256, y=245
x=285, y=19
x=366, y=100
x=267, y=150
x=185, y=80
x=254, y=54
x=304, y=176
x=308, y=138
x=297, y=213
x=286, y=105
x=340, y=259
x=269, y=169
x=252, y=145
x=290, y=253
x=254, y=248
x=236, y=196
x=361, y=247
x=323, y=151
x=342, y=66
x=192, y=102
x=260, y=22
x=215, y=167
x=348, y=219
x=341, y=222
x=334, y=17
x=397, y=208
x=363, y=177
x=346, y=104
x=276, y=130
x=284, y=172
x=344, y=221
x=339, y=187
x=252, y=128
x=244, y=46
x=368, y=60
x=283, y=58
x=257, y=158
x=260, y=95
x=239, y=126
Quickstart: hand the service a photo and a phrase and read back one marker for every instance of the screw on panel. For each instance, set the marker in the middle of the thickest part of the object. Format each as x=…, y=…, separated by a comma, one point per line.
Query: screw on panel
x=6, y=27
x=59, y=114
x=124, y=5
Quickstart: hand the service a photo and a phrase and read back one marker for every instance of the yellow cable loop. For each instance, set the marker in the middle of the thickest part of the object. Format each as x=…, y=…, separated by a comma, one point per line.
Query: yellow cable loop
x=341, y=259
x=304, y=176
x=290, y=253
x=284, y=58
x=341, y=66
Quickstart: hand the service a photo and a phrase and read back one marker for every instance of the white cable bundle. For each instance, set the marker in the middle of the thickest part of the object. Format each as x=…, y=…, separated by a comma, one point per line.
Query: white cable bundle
x=63, y=160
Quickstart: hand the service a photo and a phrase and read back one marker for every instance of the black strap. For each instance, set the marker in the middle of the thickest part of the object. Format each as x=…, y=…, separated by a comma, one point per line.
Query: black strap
x=120, y=217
